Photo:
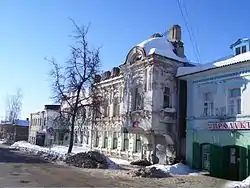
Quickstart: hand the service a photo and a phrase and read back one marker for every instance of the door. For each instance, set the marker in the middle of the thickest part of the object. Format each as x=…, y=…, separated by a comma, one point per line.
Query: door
x=216, y=161
x=206, y=157
x=232, y=162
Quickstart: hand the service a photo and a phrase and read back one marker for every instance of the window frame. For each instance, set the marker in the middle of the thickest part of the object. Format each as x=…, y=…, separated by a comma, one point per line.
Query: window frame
x=166, y=95
x=234, y=106
x=208, y=104
x=237, y=50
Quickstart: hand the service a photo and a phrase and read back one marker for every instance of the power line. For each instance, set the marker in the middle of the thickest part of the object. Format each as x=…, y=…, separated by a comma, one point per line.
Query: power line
x=192, y=33
x=192, y=39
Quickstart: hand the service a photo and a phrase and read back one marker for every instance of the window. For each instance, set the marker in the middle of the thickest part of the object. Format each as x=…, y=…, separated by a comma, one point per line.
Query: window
x=138, y=144
x=237, y=51
x=96, y=139
x=166, y=98
x=75, y=137
x=208, y=106
x=105, y=144
x=98, y=111
x=150, y=80
x=234, y=101
x=240, y=50
x=243, y=49
x=87, y=137
x=126, y=142
x=137, y=99
x=116, y=107
x=145, y=80
x=106, y=108
x=81, y=137
x=115, y=140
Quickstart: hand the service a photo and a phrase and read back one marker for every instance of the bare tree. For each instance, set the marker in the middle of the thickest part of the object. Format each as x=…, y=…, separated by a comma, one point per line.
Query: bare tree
x=13, y=106
x=73, y=79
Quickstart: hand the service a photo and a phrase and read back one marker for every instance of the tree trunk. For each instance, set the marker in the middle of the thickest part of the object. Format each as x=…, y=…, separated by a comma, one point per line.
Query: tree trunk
x=71, y=141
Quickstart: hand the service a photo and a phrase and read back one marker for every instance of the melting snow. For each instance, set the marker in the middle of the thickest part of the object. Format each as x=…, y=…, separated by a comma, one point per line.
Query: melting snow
x=61, y=151
x=160, y=46
x=236, y=59
x=176, y=169
x=239, y=184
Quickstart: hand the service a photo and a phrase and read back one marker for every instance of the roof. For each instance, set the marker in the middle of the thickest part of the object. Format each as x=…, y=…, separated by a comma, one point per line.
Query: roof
x=183, y=71
x=23, y=123
x=52, y=107
x=238, y=42
x=160, y=46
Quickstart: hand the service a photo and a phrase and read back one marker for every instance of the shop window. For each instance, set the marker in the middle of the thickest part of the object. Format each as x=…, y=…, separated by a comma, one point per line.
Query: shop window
x=115, y=140
x=138, y=145
x=166, y=97
x=234, y=101
x=208, y=105
x=105, y=145
x=126, y=142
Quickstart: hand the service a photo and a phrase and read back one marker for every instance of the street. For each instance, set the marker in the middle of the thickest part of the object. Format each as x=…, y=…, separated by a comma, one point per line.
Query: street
x=21, y=170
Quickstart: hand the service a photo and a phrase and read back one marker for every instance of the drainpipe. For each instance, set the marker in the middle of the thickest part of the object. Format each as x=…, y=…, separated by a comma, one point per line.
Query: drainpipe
x=177, y=102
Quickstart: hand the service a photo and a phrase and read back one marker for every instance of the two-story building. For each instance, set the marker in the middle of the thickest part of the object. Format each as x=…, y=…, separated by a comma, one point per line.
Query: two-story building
x=138, y=114
x=45, y=129
x=218, y=114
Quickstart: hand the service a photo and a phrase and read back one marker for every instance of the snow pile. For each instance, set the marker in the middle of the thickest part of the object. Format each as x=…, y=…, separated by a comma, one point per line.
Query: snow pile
x=233, y=60
x=176, y=169
x=55, y=153
x=239, y=184
x=3, y=141
x=90, y=159
x=119, y=161
x=160, y=46
x=152, y=172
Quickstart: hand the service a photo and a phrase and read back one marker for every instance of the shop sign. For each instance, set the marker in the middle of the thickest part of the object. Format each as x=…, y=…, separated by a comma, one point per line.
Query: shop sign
x=235, y=125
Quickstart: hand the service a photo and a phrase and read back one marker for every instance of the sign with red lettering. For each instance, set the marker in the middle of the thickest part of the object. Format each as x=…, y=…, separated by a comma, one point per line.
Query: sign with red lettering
x=236, y=125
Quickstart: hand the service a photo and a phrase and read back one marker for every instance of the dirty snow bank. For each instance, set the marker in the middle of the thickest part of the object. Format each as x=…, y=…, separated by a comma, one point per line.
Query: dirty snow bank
x=55, y=152
x=176, y=169
x=239, y=184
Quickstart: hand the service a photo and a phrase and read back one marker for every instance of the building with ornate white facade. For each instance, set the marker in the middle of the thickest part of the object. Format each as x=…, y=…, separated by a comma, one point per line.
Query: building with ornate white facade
x=139, y=111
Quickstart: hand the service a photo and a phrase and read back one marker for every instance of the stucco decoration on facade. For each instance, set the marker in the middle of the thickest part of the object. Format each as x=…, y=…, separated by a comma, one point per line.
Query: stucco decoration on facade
x=136, y=53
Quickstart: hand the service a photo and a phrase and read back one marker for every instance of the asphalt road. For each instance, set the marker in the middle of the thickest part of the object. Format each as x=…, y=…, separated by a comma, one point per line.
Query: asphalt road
x=21, y=170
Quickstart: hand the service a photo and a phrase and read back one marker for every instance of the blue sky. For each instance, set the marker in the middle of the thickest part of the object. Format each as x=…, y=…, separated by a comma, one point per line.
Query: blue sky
x=33, y=29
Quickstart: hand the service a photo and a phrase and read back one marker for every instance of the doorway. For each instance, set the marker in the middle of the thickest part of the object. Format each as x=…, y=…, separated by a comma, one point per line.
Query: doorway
x=205, y=152
x=231, y=157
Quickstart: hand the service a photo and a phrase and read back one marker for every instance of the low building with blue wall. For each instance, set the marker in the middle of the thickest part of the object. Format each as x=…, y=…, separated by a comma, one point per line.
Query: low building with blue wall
x=218, y=114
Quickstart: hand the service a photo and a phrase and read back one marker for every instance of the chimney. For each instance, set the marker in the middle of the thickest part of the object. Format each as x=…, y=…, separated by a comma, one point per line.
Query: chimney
x=174, y=33
x=174, y=36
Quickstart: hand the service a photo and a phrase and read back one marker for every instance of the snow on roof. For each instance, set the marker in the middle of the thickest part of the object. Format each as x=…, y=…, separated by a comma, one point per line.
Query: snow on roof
x=23, y=123
x=160, y=46
x=182, y=71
